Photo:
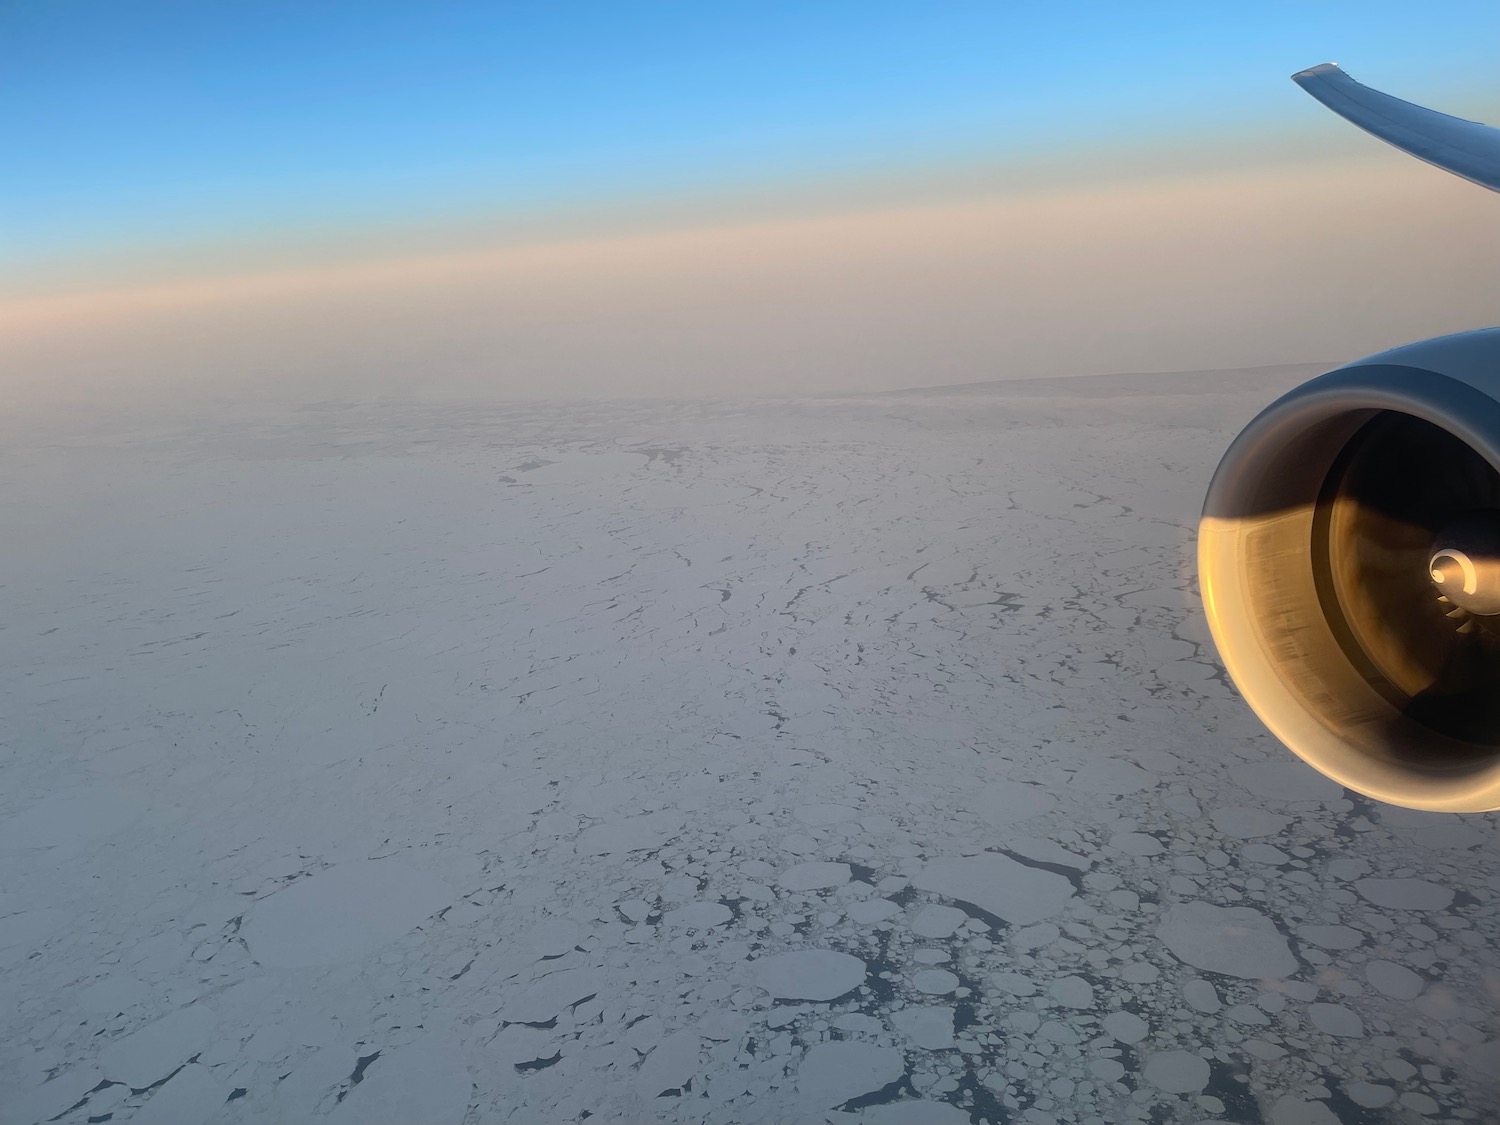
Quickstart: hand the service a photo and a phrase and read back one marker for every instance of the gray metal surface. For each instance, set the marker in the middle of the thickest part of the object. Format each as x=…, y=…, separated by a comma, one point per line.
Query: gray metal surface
x=1465, y=148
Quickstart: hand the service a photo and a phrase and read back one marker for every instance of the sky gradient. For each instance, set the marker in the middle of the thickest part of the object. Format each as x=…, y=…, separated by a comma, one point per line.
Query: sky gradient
x=181, y=169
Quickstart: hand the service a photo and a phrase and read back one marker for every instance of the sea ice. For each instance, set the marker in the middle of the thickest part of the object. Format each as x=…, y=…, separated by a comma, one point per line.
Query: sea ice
x=934, y=982
x=1336, y=1019
x=1201, y=996
x=928, y=1026
x=344, y=913
x=1291, y=1110
x=814, y=876
x=1393, y=980
x=698, y=915
x=191, y=1097
x=1010, y=890
x=1405, y=894
x=113, y=994
x=1180, y=1072
x=1235, y=940
x=873, y=910
x=1246, y=823
x=1073, y=992
x=1331, y=937
x=68, y=823
x=541, y=1001
x=424, y=1081
x=1285, y=779
x=1371, y=1095
x=1002, y=803
x=914, y=1113
x=669, y=1066
x=153, y=1052
x=633, y=834
x=809, y=974
x=833, y=1073
x=934, y=921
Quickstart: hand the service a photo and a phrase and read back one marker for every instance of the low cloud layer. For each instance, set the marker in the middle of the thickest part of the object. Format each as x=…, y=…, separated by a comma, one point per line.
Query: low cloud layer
x=1326, y=261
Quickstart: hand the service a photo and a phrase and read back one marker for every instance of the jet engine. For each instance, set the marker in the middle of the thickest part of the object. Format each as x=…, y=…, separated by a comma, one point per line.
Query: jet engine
x=1349, y=557
x=1349, y=552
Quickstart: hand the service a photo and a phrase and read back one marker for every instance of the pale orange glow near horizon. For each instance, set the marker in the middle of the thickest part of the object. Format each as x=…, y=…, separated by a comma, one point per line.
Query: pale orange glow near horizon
x=1233, y=268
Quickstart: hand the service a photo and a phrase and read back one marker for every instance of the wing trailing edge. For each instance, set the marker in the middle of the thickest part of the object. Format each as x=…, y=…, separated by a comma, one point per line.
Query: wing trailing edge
x=1465, y=148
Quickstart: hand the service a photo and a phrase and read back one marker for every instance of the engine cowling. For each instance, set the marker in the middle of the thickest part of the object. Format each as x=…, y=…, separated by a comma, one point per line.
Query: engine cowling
x=1349, y=557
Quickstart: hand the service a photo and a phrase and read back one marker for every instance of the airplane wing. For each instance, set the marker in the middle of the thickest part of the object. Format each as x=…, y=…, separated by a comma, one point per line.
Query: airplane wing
x=1465, y=148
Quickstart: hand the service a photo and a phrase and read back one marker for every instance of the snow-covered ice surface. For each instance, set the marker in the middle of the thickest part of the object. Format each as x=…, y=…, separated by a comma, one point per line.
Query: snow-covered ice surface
x=857, y=760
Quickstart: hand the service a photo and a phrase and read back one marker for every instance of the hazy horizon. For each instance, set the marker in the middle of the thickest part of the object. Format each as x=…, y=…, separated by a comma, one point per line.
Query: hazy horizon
x=511, y=202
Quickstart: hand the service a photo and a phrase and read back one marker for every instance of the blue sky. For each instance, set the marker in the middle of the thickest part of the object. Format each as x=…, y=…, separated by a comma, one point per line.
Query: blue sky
x=134, y=124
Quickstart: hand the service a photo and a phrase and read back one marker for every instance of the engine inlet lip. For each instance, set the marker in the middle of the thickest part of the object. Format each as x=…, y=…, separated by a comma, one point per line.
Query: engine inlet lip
x=1284, y=657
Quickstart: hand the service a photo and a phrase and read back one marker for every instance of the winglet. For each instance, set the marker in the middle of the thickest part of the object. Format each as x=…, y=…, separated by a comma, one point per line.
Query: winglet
x=1465, y=148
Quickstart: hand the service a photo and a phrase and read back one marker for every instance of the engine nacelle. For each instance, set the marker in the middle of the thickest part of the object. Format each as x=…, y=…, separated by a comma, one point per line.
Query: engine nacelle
x=1349, y=556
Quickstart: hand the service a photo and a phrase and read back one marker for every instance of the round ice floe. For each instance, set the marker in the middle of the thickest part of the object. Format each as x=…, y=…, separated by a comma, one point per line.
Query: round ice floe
x=1336, y=1019
x=1331, y=937
x=810, y=974
x=1127, y=1027
x=1201, y=996
x=1393, y=980
x=937, y=921
x=1139, y=972
x=1247, y=1014
x=833, y=1073
x=934, y=982
x=1235, y=940
x=698, y=915
x=1107, y=1070
x=1263, y=853
x=1073, y=992
x=343, y=913
x=814, y=876
x=1370, y=1095
x=1135, y=843
x=1014, y=983
x=1245, y=823
x=928, y=1026
x=1179, y=1072
x=1404, y=894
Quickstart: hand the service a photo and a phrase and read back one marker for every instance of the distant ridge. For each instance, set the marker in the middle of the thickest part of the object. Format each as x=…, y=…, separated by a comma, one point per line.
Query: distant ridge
x=1256, y=380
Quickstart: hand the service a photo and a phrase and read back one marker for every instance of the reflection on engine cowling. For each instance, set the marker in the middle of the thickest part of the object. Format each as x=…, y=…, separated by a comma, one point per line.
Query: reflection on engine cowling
x=1350, y=561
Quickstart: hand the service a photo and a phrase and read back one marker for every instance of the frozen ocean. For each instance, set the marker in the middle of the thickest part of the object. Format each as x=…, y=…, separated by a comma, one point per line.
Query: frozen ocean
x=857, y=759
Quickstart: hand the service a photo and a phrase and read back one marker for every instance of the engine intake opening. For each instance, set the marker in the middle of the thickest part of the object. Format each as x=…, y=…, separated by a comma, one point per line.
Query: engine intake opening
x=1349, y=557
x=1408, y=617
